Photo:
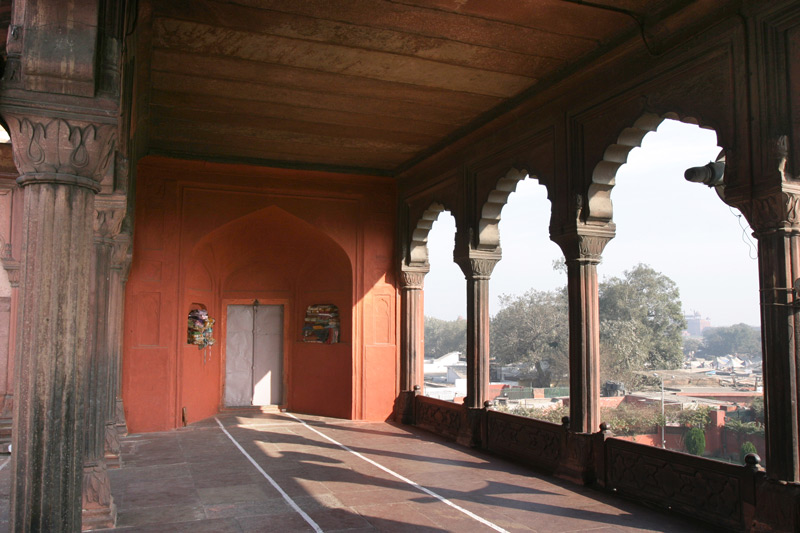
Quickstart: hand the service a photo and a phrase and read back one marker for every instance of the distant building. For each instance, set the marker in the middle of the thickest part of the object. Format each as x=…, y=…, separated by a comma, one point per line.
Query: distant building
x=695, y=324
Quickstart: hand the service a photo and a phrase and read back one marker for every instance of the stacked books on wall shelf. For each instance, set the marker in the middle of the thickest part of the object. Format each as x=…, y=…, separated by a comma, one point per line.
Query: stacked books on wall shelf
x=321, y=324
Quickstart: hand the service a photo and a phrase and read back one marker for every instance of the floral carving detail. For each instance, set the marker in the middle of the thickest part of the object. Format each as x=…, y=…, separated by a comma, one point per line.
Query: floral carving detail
x=58, y=146
x=440, y=417
x=413, y=279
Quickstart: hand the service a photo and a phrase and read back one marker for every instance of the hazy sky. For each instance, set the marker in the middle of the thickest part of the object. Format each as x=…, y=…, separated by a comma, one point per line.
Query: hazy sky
x=679, y=228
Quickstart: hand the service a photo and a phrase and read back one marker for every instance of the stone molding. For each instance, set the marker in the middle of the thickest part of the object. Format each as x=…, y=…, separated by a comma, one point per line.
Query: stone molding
x=413, y=278
x=56, y=150
x=109, y=213
x=585, y=244
x=478, y=264
x=777, y=209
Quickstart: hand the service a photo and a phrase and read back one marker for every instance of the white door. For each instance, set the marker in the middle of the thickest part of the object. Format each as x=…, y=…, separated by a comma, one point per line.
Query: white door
x=254, y=355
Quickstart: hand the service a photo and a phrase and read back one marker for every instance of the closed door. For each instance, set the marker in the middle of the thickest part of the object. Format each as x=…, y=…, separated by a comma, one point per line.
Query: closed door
x=254, y=355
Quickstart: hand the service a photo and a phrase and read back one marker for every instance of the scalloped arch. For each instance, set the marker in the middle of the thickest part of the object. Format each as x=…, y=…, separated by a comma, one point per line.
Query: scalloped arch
x=600, y=208
x=418, y=251
x=489, y=223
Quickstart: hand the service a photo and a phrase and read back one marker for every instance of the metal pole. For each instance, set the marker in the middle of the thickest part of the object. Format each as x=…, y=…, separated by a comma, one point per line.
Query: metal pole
x=663, y=420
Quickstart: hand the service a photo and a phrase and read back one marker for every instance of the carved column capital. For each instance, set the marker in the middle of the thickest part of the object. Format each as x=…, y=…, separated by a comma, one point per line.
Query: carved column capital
x=11, y=265
x=478, y=264
x=121, y=253
x=584, y=244
x=109, y=212
x=57, y=150
x=772, y=210
x=413, y=277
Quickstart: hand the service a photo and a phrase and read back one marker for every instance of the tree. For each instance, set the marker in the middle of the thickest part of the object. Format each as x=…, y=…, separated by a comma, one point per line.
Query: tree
x=645, y=304
x=533, y=329
x=695, y=441
x=736, y=339
x=444, y=336
x=747, y=448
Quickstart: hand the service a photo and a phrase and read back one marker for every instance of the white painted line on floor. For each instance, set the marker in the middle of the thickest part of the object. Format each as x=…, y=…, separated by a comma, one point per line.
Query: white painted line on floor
x=286, y=497
x=5, y=463
x=402, y=478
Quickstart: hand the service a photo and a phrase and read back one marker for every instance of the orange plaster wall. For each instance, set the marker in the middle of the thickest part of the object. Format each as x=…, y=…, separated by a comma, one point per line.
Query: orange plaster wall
x=215, y=234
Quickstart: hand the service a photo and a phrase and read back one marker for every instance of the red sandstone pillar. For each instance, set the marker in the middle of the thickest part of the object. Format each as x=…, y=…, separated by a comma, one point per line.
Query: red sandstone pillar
x=477, y=267
x=583, y=248
x=115, y=423
x=99, y=510
x=412, y=328
x=61, y=164
x=775, y=217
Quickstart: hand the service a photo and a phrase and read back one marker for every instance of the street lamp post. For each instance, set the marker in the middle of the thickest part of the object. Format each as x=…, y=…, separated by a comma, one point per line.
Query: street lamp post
x=663, y=420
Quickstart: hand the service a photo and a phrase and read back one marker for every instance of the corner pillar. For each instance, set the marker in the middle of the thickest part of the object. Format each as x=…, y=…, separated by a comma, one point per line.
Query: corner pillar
x=99, y=510
x=412, y=332
x=61, y=163
x=582, y=249
x=477, y=266
x=775, y=218
x=115, y=424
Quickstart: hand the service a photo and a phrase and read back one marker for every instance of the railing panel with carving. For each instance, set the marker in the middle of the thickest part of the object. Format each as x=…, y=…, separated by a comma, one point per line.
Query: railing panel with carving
x=534, y=442
x=702, y=488
x=446, y=419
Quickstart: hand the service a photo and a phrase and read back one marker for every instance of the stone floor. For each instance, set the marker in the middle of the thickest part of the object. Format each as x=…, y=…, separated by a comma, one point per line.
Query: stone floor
x=316, y=474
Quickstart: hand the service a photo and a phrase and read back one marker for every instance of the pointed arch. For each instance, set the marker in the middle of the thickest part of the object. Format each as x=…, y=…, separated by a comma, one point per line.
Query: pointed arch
x=418, y=250
x=489, y=223
x=599, y=205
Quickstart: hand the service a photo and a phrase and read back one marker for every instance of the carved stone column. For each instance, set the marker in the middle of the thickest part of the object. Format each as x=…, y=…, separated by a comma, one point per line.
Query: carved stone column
x=411, y=340
x=119, y=278
x=411, y=333
x=477, y=266
x=775, y=218
x=99, y=510
x=582, y=249
x=61, y=163
x=115, y=424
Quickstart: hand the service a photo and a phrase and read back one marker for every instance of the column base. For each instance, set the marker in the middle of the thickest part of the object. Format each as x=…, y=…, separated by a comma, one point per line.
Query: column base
x=112, y=447
x=98, y=510
x=122, y=425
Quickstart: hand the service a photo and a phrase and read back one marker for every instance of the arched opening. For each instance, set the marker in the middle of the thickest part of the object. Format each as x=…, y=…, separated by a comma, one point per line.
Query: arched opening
x=445, y=305
x=682, y=262
x=528, y=304
x=257, y=277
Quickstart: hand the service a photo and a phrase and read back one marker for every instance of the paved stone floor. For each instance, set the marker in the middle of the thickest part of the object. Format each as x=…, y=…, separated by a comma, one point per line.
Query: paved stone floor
x=317, y=474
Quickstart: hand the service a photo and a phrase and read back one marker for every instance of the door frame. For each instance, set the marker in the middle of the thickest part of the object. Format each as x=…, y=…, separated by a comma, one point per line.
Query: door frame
x=285, y=344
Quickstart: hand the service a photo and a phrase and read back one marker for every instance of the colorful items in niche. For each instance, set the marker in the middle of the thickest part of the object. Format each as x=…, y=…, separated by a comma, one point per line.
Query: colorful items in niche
x=201, y=329
x=321, y=324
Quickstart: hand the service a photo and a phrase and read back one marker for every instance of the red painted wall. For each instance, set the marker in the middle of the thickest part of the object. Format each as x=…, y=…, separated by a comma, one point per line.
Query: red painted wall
x=215, y=234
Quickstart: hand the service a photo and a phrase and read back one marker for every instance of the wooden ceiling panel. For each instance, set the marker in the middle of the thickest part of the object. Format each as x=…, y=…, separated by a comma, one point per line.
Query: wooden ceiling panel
x=533, y=61
x=344, y=119
x=309, y=98
x=224, y=68
x=363, y=85
x=211, y=40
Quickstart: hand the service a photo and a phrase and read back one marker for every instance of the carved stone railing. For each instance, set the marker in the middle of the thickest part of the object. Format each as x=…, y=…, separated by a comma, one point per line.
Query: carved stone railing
x=534, y=442
x=716, y=492
x=446, y=419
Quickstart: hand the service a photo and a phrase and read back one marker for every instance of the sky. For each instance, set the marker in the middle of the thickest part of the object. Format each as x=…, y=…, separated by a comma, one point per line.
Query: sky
x=681, y=229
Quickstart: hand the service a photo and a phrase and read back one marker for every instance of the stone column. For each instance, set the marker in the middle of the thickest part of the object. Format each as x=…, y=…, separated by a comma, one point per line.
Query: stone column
x=413, y=327
x=119, y=278
x=120, y=261
x=582, y=249
x=61, y=163
x=775, y=218
x=99, y=510
x=477, y=266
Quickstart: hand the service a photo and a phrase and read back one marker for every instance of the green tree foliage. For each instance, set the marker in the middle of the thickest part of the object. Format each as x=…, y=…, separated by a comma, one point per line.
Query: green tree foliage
x=747, y=448
x=736, y=339
x=533, y=329
x=444, y=336
x=695, y=441
x=645, y=304
x=696, y=418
